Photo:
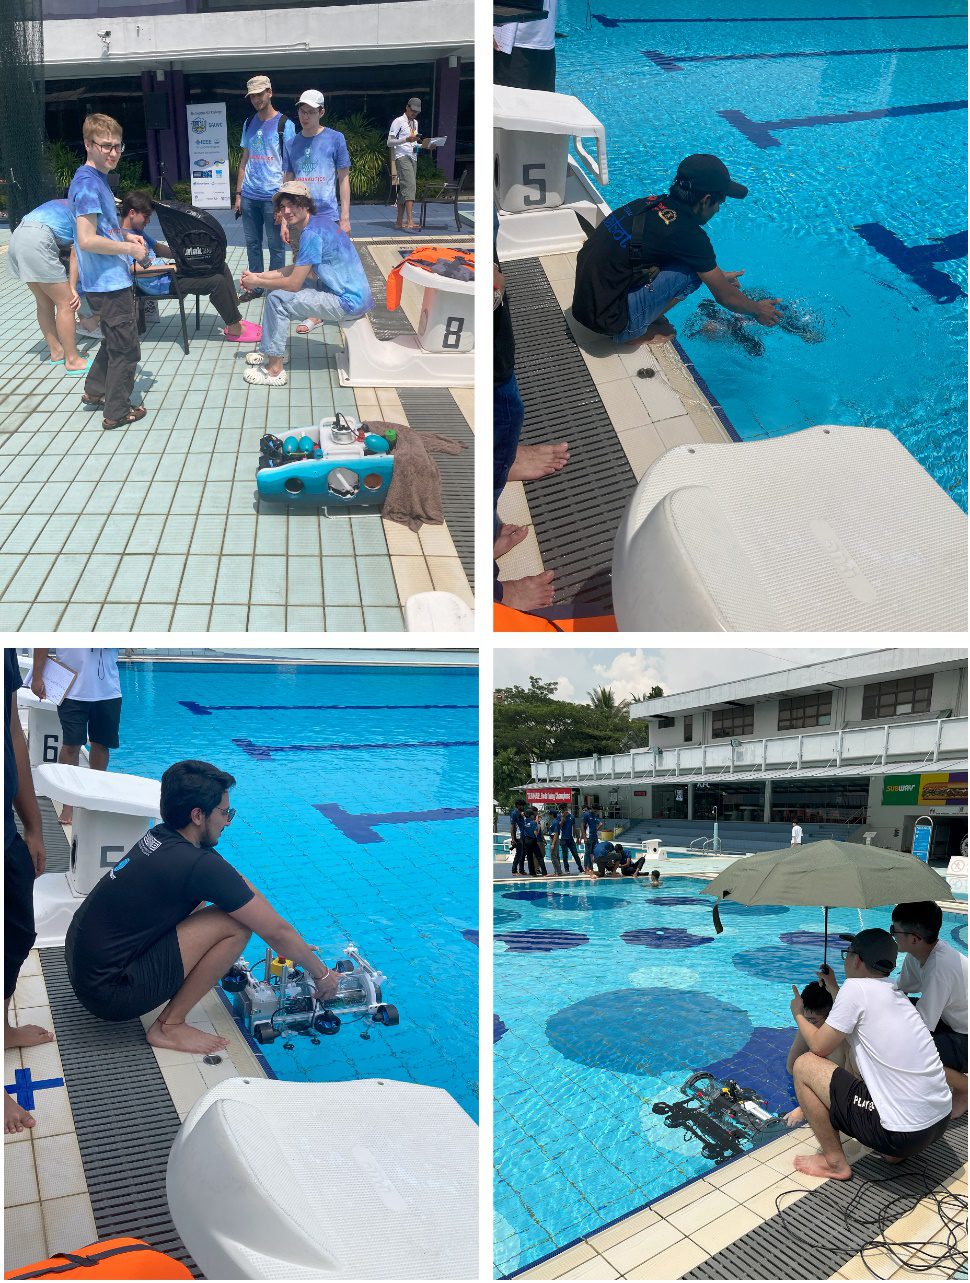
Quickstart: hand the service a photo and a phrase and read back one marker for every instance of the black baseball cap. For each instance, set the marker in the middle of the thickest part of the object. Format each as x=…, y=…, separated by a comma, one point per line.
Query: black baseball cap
x=876, y=948
x=708, y=174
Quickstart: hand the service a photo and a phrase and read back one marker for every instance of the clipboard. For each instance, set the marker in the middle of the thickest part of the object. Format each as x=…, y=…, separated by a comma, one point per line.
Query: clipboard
x=58, y=680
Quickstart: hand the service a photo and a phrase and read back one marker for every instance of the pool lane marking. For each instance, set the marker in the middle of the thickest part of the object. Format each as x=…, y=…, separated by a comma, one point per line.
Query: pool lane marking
x=761, y=132
x=606, y=21
x=360, y=828
x=674, y=62
x=205, y=710
x=916, y=261
x=23, y=1087
x=264, y=752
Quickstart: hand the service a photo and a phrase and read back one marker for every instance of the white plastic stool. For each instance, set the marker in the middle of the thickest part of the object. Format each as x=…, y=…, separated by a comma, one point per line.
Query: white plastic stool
x=358, y=1180
x=111, y=813
x=437, y=612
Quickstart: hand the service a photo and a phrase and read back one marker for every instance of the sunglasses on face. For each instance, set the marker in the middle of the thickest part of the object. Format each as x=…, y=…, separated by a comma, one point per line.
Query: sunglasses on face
x=229, y=812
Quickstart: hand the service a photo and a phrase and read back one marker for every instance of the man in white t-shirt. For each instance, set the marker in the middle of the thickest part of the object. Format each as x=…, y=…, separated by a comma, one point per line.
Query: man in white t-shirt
x=404, y=141
x=524, y=53
x=796, y=834
x=90, y=713
x=900, y=1103
x=938, y=973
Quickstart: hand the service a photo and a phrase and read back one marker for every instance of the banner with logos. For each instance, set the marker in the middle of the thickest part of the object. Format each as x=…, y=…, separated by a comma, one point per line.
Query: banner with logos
x=209, y=155
x=536, y=796
x=939, y=788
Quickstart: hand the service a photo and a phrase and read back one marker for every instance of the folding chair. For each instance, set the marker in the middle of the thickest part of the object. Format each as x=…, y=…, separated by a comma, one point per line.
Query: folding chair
x=448, y=194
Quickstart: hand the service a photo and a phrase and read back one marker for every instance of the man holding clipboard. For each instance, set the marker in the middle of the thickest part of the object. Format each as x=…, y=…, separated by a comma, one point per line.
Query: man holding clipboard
x=90, y=711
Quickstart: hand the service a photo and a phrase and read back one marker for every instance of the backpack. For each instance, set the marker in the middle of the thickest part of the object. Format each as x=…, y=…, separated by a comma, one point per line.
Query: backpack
x=196, y=239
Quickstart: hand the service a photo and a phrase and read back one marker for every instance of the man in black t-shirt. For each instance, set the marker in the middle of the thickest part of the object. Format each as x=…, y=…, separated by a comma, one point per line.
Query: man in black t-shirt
x=172, y=916
x=653, y=252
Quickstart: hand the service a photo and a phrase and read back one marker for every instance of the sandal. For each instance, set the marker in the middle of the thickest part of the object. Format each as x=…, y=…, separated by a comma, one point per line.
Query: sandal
x=91, y=400
x=306, y=326
x=135, y=413
x=257, y=358
x=258, y=376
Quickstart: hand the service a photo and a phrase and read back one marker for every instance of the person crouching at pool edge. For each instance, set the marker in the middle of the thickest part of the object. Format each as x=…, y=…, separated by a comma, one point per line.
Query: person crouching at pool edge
x=899, y=1103
x=172, y=916
x=817, y=1003
x=326, y=280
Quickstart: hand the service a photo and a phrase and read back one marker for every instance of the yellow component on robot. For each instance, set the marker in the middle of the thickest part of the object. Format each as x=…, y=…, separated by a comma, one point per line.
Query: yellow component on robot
x=277, y=966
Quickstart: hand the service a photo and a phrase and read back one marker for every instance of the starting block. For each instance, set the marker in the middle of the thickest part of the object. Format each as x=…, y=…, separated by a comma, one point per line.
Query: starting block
x=111, y=812
x=44, y=736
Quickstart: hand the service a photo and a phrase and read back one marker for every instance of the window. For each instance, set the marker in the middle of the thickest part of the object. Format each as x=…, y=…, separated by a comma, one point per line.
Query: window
x=665, y=723
x=893, y=699
x=805, y=710
x=688, y=729
x=728, y=722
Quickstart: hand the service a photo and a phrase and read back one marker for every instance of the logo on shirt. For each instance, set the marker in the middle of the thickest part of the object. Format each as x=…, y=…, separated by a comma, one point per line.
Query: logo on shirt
x=667, y=216
x=148, y=844
x=121, y=864
x=307, y=161
x=198, y=126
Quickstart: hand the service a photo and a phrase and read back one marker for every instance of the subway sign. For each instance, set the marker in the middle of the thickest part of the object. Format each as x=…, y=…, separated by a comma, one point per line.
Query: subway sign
x=939, y=788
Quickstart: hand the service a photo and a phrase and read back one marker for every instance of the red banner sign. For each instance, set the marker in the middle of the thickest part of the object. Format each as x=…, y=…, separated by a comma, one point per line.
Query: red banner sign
x=535, y=795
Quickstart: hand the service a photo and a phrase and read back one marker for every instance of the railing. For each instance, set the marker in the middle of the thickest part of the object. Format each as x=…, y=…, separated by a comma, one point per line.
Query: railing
x=930, y=741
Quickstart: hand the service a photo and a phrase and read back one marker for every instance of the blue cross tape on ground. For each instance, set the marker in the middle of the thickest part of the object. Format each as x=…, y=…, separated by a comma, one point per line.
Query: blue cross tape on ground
x=760, y=132
x=674, y=62
x=606, y=21
x=264, y=752
x=23, y=1087
x=916, y=260
x=206, y=710
x=360, y=828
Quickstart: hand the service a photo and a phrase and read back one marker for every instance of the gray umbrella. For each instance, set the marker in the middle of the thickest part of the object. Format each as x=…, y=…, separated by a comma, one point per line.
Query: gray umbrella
x=832, y=875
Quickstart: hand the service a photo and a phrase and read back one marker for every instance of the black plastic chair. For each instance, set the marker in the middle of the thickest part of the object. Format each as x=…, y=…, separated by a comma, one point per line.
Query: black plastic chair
x=173, y=292
x=449, y=194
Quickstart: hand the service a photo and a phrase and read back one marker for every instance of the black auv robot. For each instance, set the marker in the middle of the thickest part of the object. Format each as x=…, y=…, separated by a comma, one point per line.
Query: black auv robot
x=282, y=1001
x=725, y=1118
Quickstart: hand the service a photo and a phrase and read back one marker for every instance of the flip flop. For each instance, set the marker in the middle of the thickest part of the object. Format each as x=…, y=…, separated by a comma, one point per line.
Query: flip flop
x=83, y=370
x=306, y=326
x=59, y=361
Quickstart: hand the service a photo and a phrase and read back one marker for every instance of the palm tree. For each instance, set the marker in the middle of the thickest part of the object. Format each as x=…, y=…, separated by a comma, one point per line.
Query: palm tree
x=602, y=697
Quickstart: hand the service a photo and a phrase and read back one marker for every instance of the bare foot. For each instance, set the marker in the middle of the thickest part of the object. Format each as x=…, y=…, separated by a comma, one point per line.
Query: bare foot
x=530, y=593
x=819, y=1165
x=532, y=462
x=888, y=1158
x=67, y=815
x=183, y=1037
x=15, y=1119
x=79, y=363
x=25, y=1036
x=657, y=332
x=507, y=538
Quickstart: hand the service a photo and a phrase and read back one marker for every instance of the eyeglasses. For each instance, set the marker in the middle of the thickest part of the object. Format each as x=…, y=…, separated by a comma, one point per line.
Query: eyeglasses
x=229, y=812
x=845, y=953
x=896, y=932
x=108, y=148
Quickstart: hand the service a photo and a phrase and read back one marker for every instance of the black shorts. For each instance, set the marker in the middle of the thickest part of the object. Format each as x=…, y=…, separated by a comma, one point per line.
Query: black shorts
x=852, y=1111
x=18, y=911
x=147, y=981
x=951, y=1046
x=94, y=720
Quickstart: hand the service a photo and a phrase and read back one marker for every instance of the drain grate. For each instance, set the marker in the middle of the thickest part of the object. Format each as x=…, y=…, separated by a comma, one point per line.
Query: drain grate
x=123, y=1115
x=435, y=410
x=386, y=324
x=56, y=845
x=772, y=1252
x=576, y=513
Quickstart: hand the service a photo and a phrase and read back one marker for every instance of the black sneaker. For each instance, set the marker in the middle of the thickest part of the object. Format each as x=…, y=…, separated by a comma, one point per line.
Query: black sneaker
x=248, y=295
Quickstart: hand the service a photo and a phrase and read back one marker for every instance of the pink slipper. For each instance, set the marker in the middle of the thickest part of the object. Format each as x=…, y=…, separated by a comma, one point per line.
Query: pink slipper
x=250, y=333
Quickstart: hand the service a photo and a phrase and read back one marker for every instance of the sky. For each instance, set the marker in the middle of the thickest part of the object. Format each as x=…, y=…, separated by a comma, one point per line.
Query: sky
x=627, y=671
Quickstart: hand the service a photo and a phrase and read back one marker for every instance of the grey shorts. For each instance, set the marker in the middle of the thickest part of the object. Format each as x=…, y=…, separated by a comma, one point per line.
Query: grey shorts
x=407, y=173
x=34, y=255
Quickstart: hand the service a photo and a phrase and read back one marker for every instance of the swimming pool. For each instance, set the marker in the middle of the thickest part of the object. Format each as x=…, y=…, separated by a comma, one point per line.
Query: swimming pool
x=607, y=996
x=858, y=223
x=356, y=797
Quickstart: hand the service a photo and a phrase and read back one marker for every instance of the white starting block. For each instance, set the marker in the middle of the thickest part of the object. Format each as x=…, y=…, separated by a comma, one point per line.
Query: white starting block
x=358, y=1180
x=830, y=529
x=442, y=353
x=437, y=612
x=111, y=812
x=539, y=188
x=44, y=735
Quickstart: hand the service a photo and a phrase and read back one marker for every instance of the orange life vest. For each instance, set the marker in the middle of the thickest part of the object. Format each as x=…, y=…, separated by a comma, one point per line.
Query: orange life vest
x=424, y=257
x=113, y=1258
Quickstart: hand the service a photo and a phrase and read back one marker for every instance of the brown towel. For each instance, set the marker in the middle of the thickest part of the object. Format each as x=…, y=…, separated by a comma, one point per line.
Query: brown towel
x=414, y=495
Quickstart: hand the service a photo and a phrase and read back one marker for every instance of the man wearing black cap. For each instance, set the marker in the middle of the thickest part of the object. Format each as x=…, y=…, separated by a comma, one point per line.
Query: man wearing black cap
x=900, y=1103
x=653, y=252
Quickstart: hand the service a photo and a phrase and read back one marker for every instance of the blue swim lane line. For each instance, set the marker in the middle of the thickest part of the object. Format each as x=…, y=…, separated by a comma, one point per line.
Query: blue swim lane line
x=606, y=21
x=360, y=828
x=264, y=752
x=675, y=62
x=206, y=710
x=916, y=261
x=761, y=132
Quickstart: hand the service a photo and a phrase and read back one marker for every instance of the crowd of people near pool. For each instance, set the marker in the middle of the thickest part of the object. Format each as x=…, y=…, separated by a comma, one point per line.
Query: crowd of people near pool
x=85, y=259
x=530, y=833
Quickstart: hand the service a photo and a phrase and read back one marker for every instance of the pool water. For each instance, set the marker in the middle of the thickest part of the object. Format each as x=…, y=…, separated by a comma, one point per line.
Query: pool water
x=356, y=799
x=858, y=225
x=608, y=996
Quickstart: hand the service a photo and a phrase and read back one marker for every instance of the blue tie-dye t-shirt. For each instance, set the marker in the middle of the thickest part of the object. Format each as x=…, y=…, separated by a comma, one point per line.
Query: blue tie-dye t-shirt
x=89, y=193
x=157, y=285
x=264, y=168
x=58, y=215
x=315, y=161
x=336, y=264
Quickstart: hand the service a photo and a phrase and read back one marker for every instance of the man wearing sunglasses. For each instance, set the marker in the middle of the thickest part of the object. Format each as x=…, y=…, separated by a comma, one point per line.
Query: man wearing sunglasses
x=938, y=973
x=172, y=916
x=900, y=1102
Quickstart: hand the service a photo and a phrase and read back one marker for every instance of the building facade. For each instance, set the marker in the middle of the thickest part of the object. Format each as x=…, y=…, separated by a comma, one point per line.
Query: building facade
x=865, y=744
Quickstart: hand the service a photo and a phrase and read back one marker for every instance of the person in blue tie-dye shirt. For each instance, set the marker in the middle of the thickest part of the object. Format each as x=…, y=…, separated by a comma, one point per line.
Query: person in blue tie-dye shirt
x=38, y=248
x=327, y=280
x=265, y=136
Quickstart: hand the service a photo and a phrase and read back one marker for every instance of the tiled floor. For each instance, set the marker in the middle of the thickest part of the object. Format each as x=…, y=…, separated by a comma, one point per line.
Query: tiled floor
x=46, y=1204
x=157, y=526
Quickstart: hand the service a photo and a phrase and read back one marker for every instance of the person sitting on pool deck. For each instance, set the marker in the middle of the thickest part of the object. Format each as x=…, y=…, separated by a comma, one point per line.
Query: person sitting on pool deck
x=937, y=972
x=651, y=253
x=172, y=916
x=326, y=280
x=629, y=867
x=817, y=1003
x=900, y=1102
